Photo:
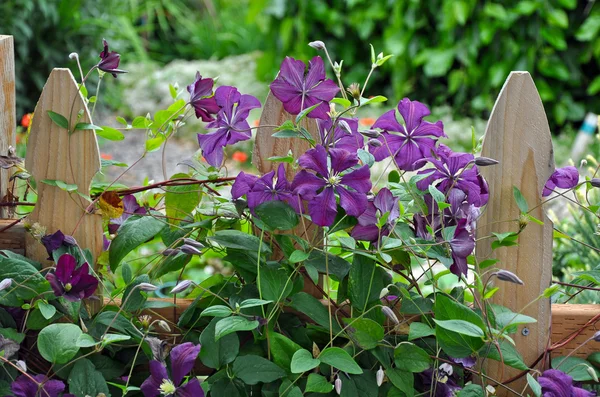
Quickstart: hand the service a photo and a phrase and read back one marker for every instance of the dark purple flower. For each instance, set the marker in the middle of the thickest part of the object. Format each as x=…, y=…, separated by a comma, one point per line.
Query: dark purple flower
x=556, y=383
x=298, y=90
x=340, y=138
x=564, y=178
x=202, y=98
x=71, y=282
x=320, y=188
x=158, y=383
x=231, y=125
x=267, y=188
x=451, y=171
x=36, y=386
x=441, y=382
x=367, y=229
x=412, y=143
x=130, y=207
x=109, y=61
x=54, y=241
x=462, y=245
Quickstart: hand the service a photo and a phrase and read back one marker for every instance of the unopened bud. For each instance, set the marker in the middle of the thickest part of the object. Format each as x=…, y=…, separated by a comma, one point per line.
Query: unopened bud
x=147, y=287
x=485, y=161
x=338, y=385
x=505, y=275
x=592, y=372
x=70, y=240
x=595, y=182
x=371, y=133
x=163, y=324
x=596, y=336
x=317, y=45
x=354, y=90
x=389, y=313
x=315, y=350
x=337, y=67
x=188, y=249
x=73, y=55
x=583, y=163
x=384, y=293
x=193, y=243
x=145, y=321
x=345, y=126
x=446, y=369
x=523, y=221
x=379, y=376
x=4, y=284
x=375, y=143
x=170, y=252
x=22, y=365
x=182, y=286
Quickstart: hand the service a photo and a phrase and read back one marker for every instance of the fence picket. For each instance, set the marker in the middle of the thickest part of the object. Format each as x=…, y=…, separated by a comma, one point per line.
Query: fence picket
x=7, y=113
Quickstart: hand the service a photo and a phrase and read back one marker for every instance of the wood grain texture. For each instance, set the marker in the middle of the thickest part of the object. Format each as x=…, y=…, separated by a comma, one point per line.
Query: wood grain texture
x=518, y=136
x=13, y=238
x=75, y=159
x=567, y=319
x=8, y=121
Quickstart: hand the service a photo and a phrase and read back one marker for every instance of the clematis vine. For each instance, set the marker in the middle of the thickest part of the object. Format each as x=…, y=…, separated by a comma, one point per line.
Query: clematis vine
x=73, y=283
x=109, y=61
x=410, y=143
x=36, y=386
x=556, y=383
x=183, y=357
x=331, y=177
x=299, y=89
x=231, y=125
x=384, y=203
x=54, y=241
x=202, y=98
x=564, y=178
x=265, y=188
x=345, y=135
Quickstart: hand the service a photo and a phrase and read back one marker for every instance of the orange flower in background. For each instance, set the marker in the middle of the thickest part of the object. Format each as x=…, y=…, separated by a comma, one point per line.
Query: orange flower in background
x=367, y=121
x=26, y=120
x=255, y=123
x=240, y=157
x=106, y=156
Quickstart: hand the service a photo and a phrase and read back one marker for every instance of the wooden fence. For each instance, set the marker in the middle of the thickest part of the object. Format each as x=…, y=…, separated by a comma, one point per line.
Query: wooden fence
x=517, y=135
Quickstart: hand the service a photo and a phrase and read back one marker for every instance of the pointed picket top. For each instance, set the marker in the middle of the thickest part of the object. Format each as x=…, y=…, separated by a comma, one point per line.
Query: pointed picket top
x=518, y=136
x=53, y=154
x=266, y=146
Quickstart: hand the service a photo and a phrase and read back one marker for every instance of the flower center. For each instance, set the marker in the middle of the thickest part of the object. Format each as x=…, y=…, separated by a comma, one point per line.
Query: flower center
x=334, y=180
x=167, y=388
x=68, y=287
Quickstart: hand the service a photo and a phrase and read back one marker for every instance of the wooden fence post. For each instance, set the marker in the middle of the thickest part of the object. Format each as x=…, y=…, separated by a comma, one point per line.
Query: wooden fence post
x=7, y=112
x=519, y=137
x=54, y=154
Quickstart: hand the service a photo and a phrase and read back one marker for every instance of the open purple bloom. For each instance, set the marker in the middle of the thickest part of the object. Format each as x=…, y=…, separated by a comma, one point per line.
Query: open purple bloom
x=266, y=188
x=339, y=138
x=231, y=125
x=450, y=172
x=440, y=382
x=462, y=245
x=556, y=383
x=109, y=61
x=564, y=178
x=54, y=241
x=367, y=229
x=71, y=282
x=320, y=188
x=159, y=383
x=298, y=90
x=202, y=99
x=39, y=386
x=412, y=143
x=130, y=207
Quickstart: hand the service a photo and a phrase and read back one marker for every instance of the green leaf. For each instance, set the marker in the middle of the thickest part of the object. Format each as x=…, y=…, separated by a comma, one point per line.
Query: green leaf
x=253, y=369
x=373, y=58
x=372, y=100
x=365, y=281
x=57, y=343
x=218, y=353
x=298, y=256
x=112, y=134
x=84, y=380
x=341, y=101
x=558, y=17
x=239, y=240
x=135, y=231
x=471, y=390
x=282, y=349
x=508, y=318
x=110, y=339
x=153, y=144
x=420, y=330
x=521, y=202
x=410, y=357
x=575, y=367
x=303, y=361
x=133, y=297
x=46, y=309
x=365, y=332
x=27, y=281
x=12, y=334
x=340, y=359
x=438, y=62
x=228, y=325
x=180, y=201
x=438, y=196
x=510, y=356
x=86, y=340
x=59, y=119
x=338, y=266
x=461, y=327
x=317, y=384
x=535, y=386
x=305, y=112
x=86, y=126
x=403, y=380
x=67, y=187
x=216, y=311
x=455, y=344
x=274, y=283
x=277, y=215
x=314, y=309
x=253, y=303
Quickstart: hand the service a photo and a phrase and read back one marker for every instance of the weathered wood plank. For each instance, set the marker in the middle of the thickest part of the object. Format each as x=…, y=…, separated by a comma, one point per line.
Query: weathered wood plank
x=7, y=111
x=54, y=154
x=567, y=320
x=518, y=136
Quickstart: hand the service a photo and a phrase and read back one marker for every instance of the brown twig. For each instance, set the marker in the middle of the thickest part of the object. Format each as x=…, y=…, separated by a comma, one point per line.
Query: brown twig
x=172, y=182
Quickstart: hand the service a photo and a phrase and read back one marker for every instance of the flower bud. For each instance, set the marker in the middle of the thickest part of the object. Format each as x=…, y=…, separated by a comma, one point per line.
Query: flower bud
x=485, y=161
x=371, y=133
x=379, y=376
x=188, y=249
x=505, y=275
x=73, y=55
x=354, y=90
x=337, y=67
x=193, y=243
x=182, y=286
x=170, y=252
x=595, y=182
x=345, y=126
x=592, y=372
x=375, y=143
x=317, y=45
x=596, y=336
x=389, y=313
x=147, y=287
x=338, y=385
x=583, y=163
x=4, y=284
x=70, y=240
x=163, y=324
x=384, y=292
x=145, y=321
x=446, y=369
x=22, y=365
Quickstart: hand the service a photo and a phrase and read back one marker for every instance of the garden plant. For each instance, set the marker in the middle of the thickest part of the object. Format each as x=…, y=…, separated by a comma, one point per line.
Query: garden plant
x=352, y=266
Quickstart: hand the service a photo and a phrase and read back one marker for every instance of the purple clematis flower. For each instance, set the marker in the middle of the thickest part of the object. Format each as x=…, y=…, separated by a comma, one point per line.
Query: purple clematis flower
x=564, y=178
x=462, y=245
x=183, y=358
x=202, y=98
x=36, y=386
x=556, y=383
x=130, y=207
x=54, y=241
x=439, y=382
x=412, y=143
x=298, y=90
x=320, y=188
x=109, y=61
x=231, y=125
x=71, y=282
x=450, y=171
x=340, y=138
x=367, y=229
x=265, y=188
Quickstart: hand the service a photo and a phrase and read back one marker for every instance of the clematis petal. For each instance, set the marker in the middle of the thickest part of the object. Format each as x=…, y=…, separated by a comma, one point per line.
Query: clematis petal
x=282, y=184
x=412, y=112
x=183, y=357
x=306, y=184
x=566, y=177
x=365, y=233
x=555, y=383
x=359, y=180
x=385, y=201
x=65, y=267
x=390, y=144
x=430, y=129
x=342, y=159
x=323, y=208
x=212, y=145
x=388, y=122
x=243, y=184
x=354, y=203
x=292, y=71
x=158, y=373
x=191, y=389
x=325, y=91
x=315, y=159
